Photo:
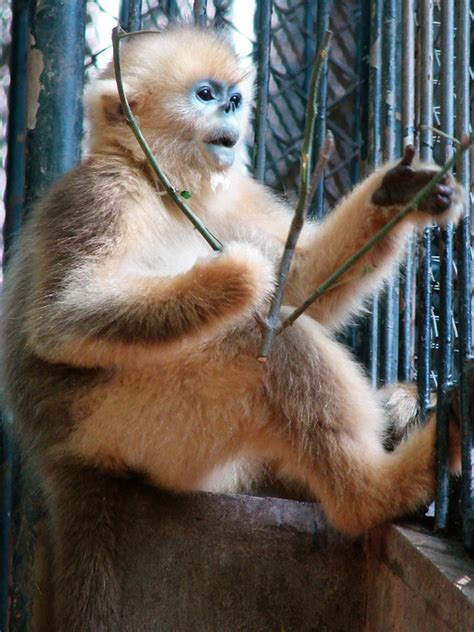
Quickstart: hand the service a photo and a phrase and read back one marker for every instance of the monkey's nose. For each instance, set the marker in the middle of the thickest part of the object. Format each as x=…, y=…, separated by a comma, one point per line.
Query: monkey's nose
x=229, y=107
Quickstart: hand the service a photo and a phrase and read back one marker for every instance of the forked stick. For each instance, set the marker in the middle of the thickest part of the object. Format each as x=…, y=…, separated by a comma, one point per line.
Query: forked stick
x=308, y=185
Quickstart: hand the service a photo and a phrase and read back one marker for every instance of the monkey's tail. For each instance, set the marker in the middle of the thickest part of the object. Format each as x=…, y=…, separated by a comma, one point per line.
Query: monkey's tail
x=87, y=519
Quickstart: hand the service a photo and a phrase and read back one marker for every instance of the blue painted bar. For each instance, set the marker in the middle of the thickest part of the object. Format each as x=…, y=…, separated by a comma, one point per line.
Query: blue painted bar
x=200, y=12
x=130, y=18
x=463, y=35
x=135, y=15
x=374, y=157
x=16, y=134
x=56, y=125
x=221, y=15
x=389, y=329
x=446, y=276
x=310, y=11
x=123, y=14
x=425, y=77
x=407, y=298
x=263, y=27
x=55, y=80
x=171, y=9
x=322, y=25
x=14, y=205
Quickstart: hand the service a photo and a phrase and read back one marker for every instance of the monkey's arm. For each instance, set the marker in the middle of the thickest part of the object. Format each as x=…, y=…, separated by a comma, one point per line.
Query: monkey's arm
x=357, y=218
x=106, y=320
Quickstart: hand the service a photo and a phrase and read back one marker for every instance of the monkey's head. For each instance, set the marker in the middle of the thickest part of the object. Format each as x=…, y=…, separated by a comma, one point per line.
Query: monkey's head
x=191, y=95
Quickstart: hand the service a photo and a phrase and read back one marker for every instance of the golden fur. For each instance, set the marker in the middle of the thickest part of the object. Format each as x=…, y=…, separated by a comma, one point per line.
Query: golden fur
x=130, y=346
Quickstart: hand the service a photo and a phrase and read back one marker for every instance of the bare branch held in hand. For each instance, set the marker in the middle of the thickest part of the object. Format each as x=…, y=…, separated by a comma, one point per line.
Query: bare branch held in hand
x=307, y=188
x=463, y=146
x=117, y=35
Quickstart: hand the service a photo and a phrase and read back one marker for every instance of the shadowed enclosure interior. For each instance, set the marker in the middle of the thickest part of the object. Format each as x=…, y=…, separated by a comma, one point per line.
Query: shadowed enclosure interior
x=399, y=72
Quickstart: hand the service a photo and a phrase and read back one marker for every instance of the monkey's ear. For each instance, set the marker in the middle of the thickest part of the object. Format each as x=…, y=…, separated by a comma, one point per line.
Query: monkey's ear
x=104, y=96
x=112, y=107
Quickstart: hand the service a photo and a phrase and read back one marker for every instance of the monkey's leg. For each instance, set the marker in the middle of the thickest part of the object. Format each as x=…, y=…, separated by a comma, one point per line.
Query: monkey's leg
x=331, y=433
x=85, y=508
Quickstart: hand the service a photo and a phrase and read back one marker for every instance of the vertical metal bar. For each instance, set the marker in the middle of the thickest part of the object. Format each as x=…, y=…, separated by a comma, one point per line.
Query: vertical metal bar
x=375, y=86
x=123, y=14
x=222, y=8
x=463, y=36
x=172, y=10
x=360, y=101
x=408, y=129
x=134, y=15
x=16, y=136
x=56, y=71
x=446, y=274
x=14, y=203
x=407, y=283
x=374, y=157
x=322, y=25
x=363, y=43
x=425, y=19
x=309, y=41
x=389, y=337
x=263, y=27
x=388, y=72
x=408, y=72
x=357, y=332
x=54, y=122
x=200, y=12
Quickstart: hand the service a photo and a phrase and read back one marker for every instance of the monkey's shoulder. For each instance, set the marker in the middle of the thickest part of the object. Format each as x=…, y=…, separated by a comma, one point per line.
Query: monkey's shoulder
x=82, y=213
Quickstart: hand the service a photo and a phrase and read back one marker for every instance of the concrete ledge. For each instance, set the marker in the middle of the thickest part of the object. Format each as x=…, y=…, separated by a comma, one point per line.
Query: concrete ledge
x=418, y=582
x=219, y=563
x=238, y=563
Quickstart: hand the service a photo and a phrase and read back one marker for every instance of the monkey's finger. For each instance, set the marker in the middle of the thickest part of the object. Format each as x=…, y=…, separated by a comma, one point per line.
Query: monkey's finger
x=408, y=155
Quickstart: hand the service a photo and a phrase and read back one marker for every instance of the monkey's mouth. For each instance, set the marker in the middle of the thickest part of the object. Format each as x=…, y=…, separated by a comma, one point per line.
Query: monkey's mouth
x=220, y=147
x=223, y=141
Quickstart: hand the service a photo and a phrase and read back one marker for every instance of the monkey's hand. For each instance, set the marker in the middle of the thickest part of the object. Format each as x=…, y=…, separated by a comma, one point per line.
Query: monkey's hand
x=243, y=274
x=401, y=183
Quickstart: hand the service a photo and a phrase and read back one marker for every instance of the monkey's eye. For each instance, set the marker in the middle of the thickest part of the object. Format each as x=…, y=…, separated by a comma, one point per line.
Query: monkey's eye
x=205, y=94
x=236, y=100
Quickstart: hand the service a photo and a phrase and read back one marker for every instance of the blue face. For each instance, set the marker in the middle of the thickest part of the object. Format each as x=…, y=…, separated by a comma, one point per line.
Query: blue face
x=222, y=103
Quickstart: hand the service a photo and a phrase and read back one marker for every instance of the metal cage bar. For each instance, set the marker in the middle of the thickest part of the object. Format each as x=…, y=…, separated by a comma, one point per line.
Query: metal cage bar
x=374, y=158
x=407, y=299
x=14, y=204
x=389, y=302
x=263, y=27
x=446, y=274
x=425, y=89
x=463, y=44
x=200, y=12
x=56, y=67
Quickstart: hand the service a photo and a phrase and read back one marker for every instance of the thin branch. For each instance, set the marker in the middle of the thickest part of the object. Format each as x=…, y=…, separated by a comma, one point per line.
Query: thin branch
x=307, y=187
x=117, y=35
x=351, y=261
x=439, y=132
x=320, y=169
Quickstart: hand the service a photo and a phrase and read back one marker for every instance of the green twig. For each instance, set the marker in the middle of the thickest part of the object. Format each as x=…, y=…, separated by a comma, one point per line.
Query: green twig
x=307, y=186
x=351, y=261
x=117, y=35
x=439, y=132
